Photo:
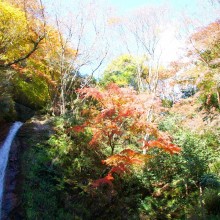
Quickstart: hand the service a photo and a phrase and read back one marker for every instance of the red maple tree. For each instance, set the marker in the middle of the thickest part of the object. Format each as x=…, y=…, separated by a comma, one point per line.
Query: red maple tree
x=119, y=120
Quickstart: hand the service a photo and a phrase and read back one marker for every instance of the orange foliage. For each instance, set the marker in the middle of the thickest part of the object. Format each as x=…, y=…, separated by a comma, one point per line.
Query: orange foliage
x=121, y=164
x=126, y=157
x=207, y=36
x=37, y=73
x=78, y=128
x=119, y=106
x=106, y=180
x=91, y=92
x=161, y=143
x=122, y=114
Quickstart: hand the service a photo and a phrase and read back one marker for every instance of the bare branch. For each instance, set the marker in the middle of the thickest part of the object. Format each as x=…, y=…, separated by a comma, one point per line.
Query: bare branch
x=35, y=43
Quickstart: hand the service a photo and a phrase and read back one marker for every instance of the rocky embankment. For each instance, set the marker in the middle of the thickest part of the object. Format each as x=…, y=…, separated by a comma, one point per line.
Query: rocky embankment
x=4, y=129
x=30, y=132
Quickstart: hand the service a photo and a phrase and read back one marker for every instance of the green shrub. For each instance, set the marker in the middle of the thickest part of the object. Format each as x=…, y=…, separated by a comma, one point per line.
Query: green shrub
x=7, y=108
x=212, y=202
x=210, y=102
x=167, y=103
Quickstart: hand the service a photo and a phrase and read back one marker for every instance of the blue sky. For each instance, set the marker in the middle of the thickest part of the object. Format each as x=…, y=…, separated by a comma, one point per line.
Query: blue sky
x=126, y=5
x=172, y=45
